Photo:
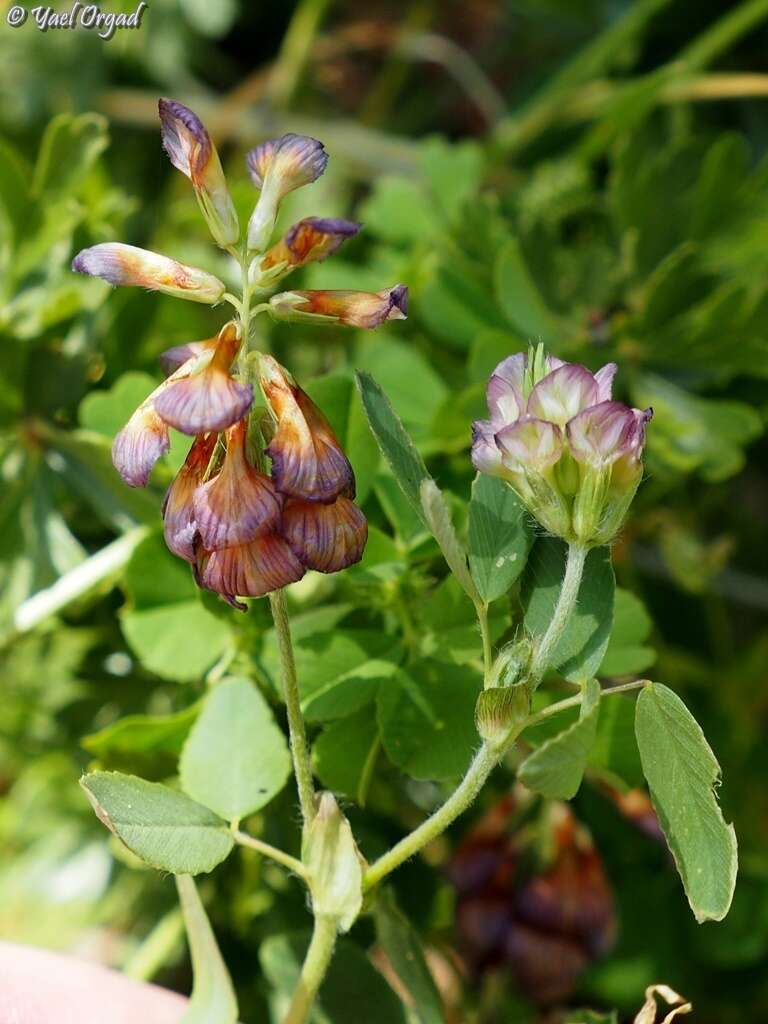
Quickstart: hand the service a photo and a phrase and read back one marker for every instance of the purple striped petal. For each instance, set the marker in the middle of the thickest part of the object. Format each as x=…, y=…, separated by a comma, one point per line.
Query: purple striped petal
x=599, y=435
x=310, y=241
x=174, y=358
x=562, y=394
x=326, y=538
x=139, y=445
x=250, y=570
x=486, y=456
x=286, y=163
x=128, y=265
x=179, y=526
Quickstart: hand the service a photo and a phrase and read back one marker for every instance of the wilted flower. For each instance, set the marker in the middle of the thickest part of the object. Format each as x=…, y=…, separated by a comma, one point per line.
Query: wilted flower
x=572, y=454
x=179, y=525
x=310, y=241
x=544, y=921
x=278, y=167
x=127, y=265
x=353, y=309
x=191, y=151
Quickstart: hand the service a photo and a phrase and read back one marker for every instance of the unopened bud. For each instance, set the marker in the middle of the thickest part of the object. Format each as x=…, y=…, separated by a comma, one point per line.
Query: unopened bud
x=500, y=713
x=334, y=865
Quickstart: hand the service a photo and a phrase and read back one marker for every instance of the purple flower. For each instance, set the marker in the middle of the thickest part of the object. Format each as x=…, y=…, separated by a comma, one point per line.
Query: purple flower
x=573, y=455
x=326, y=538
x=286, y=163
x=127, y=265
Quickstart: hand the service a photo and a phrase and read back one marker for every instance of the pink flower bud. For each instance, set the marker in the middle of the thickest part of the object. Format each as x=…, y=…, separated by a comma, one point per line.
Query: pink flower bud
x=326, y=538
x=310, y=241
x=249, y=570
x=353, y=309
x=208, y=398
x=307, y=459
x=191, y=151
x=127, y=265
x=179, y=525
x=530, y=443
x=239, y=503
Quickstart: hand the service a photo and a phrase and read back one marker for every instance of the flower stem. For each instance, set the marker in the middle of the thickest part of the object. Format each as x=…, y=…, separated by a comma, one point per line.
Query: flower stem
x=299, y=750
x=481, y=767
x=313, y=970
x=566, y=602
x=267, y=850
x=482, y=617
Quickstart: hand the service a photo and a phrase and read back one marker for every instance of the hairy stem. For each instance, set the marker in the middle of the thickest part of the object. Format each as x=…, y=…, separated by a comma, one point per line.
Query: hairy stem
x=482, y=617
x=267, y=850
x=566, y=602
x=298, y=733
x=313, y=970
x=481, y=767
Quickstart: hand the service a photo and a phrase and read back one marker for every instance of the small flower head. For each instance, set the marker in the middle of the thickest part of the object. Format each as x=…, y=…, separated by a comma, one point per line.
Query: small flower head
x=326, y=538
x=207, y=397
x=573, y=455
x=191, y=151
x=139, y=445
x=353, y=309
x=179, y=525
x=307, y=459
x=278, y=167
x=127, y=265
x=238, y=504
x=310, y=241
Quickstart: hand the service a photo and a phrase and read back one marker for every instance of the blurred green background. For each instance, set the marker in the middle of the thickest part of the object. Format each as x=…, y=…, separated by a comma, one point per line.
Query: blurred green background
x=589, y=174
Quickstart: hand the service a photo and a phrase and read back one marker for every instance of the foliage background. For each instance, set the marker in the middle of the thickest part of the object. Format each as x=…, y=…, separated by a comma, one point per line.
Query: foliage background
x=590, y=174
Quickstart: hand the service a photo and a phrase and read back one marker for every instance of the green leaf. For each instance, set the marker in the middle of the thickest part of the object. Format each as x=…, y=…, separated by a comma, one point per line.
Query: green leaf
x=585, y=640
x=427, y=719
x=395, y=444
x=106, y=412
x=682, y=774
x=614, y=751
x=500, y=536
x=457, y=308
x=213, y=996
x=71, y=145
x=438, y=519
x=235, y=759
x=149, y=744
x=178, y=641
x=163, y=827
x=520, y=299
x=626, y=653
x=343, y=751
x=352, y=991
x=400, y=941
x=556, y=768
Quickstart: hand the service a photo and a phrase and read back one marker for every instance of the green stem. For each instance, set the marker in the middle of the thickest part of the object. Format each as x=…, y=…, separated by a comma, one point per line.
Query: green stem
x=482, y=765
x=313, y=971
x=482, y=618
x=299, y=751
x=566, y=602
x=576, y=700
x=267, y=850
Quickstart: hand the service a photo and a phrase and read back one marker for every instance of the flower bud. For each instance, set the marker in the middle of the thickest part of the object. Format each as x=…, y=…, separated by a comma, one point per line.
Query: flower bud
x=334, y=865
x=191, y=151
x=310, y=241
x=307, y=459
x=573, y=455
x=207, y=398
x=501, y=712
x=127, y=265
x=278, y=167
x=353, y=309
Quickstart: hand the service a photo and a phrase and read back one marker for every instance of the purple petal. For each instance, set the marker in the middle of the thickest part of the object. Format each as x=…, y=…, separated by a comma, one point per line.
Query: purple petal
x=174, y=358
x=326, y=538
x=602, y=433
x=185, y=139
x=290, y=161
x=562, y=394
x=139, y=445
x=205, y=401
x=486, y=457
x=604, y=379
x=251, y=570
x=179, y=525
x=121, y=264
x=530, y=444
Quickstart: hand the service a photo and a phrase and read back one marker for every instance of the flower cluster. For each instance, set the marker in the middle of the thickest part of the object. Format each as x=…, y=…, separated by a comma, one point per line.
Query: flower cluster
x=572, y=454
x=260, y=498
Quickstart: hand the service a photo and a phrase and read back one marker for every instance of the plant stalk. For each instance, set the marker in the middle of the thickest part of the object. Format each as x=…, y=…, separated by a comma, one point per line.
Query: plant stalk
x=566, y=602
x=313, y=970
x=298, y=734
x=267, y=850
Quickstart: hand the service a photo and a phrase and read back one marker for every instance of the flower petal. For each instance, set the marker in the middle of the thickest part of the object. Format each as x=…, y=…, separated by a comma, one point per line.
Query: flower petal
x=239, y=503
x=128, y=265
x=207, y=399
x=287, y=163
x=185, y=139
x=326, y=538
x=250, y=570
x=179, y=525
x=486, y=456
x=139, y=445
x=601, y=434
x=307, y=459
x=354, y=309
x=604, y=379
x=530, y=443
x=562, y=394
x=311, y=240
x=173, y=358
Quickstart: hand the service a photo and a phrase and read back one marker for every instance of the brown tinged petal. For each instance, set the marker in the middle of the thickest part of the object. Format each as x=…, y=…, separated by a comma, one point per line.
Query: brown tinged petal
x=239, y=503
x=208, y=398
x=249, y=570
x=139, y=445
x=307, y=459
x=352, y=309
x=121, y=264
x=179, y=525
x=326, y=538
x=310, y=241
